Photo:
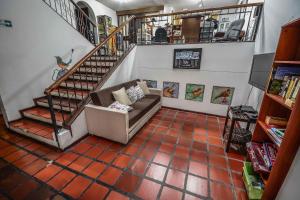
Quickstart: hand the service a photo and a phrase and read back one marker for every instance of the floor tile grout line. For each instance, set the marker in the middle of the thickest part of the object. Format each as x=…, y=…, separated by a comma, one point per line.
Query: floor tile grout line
x=37, y=180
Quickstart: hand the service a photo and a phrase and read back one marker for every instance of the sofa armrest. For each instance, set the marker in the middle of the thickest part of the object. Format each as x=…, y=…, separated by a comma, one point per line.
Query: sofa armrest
x=155, y=91
x=108, y=123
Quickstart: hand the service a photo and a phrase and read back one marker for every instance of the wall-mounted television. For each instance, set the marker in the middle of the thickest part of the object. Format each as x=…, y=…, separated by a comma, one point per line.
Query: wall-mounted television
x=187, y=58
x=261, y=67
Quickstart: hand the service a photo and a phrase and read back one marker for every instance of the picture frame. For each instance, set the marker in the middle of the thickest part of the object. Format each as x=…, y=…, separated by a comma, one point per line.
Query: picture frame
x=151, y=83
x=194, y=92
x=170, y=89
x=187, y=58
x=222, y=95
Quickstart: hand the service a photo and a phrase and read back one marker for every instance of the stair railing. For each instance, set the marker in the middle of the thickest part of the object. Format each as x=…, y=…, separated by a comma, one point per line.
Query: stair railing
x=89, y=74
x=74, y=16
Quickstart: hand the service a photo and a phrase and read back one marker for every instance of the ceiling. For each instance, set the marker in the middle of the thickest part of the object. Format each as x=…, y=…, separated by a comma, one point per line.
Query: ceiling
x=177, y=5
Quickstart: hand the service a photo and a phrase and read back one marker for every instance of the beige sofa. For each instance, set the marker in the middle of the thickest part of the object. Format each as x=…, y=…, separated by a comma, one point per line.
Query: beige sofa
x=117, y=125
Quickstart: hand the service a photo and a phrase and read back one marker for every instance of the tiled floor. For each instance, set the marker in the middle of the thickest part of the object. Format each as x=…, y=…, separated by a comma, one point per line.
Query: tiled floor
x=177, y=155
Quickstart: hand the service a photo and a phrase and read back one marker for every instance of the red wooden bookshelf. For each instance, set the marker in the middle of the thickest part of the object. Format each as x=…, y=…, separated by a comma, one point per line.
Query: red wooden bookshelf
x=287, y=53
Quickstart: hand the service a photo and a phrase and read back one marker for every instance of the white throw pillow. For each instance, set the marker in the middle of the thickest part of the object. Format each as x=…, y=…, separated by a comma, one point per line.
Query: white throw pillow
x=132, y=94
x=118, y=106
x=139, y=92
x=143, y=85
x=121, y=96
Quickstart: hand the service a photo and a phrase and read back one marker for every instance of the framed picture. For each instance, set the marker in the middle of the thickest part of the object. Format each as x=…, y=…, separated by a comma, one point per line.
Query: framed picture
x=151, y=83
x=187, y=58
x=194, y=92
x=222, y=95
x=170, y=89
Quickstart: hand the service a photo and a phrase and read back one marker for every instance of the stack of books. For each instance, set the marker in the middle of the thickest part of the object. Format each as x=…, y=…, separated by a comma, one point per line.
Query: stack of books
x=262, y=156
x=277, y=135
x=286, y=83
x=276, y=128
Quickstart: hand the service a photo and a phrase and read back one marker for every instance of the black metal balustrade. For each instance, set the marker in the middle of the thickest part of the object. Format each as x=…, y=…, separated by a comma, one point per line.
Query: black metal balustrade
x=237, y=23
x=68, y=95
x=74, y=16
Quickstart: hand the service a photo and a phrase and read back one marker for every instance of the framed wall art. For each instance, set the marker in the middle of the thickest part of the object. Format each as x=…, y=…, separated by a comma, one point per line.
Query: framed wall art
x=194, y=92
x=170, y=89
x=151, y=83
x=222, y=95
x=187, y=58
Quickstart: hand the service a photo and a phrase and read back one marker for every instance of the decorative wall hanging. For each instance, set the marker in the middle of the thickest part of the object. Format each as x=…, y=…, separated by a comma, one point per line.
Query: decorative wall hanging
x=194, y=92
x=170, y=89
x=57, y=73
x=187, y=58
x=151, y=83
x=222, y=95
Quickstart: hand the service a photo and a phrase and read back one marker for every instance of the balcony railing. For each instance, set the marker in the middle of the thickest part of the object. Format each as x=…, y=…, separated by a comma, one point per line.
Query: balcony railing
x=237, y=23
x=74, y=16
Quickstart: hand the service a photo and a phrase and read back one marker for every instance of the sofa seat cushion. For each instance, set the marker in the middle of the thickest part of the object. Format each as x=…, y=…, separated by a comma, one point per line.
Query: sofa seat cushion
x=141, y=107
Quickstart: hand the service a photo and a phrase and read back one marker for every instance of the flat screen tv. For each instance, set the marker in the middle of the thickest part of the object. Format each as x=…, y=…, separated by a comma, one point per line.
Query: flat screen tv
x=261, y=66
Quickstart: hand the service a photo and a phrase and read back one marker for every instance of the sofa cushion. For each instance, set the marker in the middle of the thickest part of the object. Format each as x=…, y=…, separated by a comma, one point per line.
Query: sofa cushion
x=121, y=96
x=141, y=107
x=104, y=97
x=143, y=85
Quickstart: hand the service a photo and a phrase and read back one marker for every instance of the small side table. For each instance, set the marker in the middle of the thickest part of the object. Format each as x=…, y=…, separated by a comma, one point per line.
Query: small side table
x=238, y=114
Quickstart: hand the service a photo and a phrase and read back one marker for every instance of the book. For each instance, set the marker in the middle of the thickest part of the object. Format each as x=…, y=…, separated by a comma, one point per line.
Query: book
x=278, y=132
x=255, y=154
x=296, y=90
x=285, y=86
x=290, y=88
x=279, y=121
x=271, y=152
x=284, y=70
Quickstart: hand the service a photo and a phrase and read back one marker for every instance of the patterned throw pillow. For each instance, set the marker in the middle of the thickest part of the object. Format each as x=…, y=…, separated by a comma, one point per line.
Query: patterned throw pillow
x=139, y=92
x=118, y=106
x=132, y=94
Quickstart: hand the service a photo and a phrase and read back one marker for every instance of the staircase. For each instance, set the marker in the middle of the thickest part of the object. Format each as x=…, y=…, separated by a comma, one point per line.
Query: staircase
x=52, y=115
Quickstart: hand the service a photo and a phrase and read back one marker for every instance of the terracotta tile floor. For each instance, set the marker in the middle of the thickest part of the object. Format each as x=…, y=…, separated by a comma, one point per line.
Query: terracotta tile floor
x=177, y=155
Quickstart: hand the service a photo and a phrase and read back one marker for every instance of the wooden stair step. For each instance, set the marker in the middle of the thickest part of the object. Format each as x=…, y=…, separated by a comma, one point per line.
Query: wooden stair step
x=93, y=70
x=85, y=85
x=70, y=93
x=108, y=58
x=99, y=63
x=33, y=127
x=85, y=77
x=59, y=103
x=43, y=114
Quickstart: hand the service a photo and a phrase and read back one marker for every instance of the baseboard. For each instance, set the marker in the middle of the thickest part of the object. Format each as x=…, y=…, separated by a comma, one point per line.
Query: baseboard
x=197, y=112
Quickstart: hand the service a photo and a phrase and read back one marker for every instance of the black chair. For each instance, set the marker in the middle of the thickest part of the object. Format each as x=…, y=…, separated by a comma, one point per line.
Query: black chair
x=160, y=36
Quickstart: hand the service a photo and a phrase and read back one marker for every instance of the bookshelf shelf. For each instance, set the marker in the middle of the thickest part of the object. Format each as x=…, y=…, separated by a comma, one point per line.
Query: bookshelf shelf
x=265, y=128
x=289, y=62
x=279, y=100
x=287, y=54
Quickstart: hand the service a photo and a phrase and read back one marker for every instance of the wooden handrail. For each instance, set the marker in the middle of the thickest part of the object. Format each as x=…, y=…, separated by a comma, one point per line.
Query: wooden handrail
x=57, y=83
x=201, y=10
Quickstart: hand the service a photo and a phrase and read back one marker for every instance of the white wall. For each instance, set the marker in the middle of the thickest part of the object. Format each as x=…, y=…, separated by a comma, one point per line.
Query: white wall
x=100, y=9
x=124, y=71
x=223, y=64
x=27, y=51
